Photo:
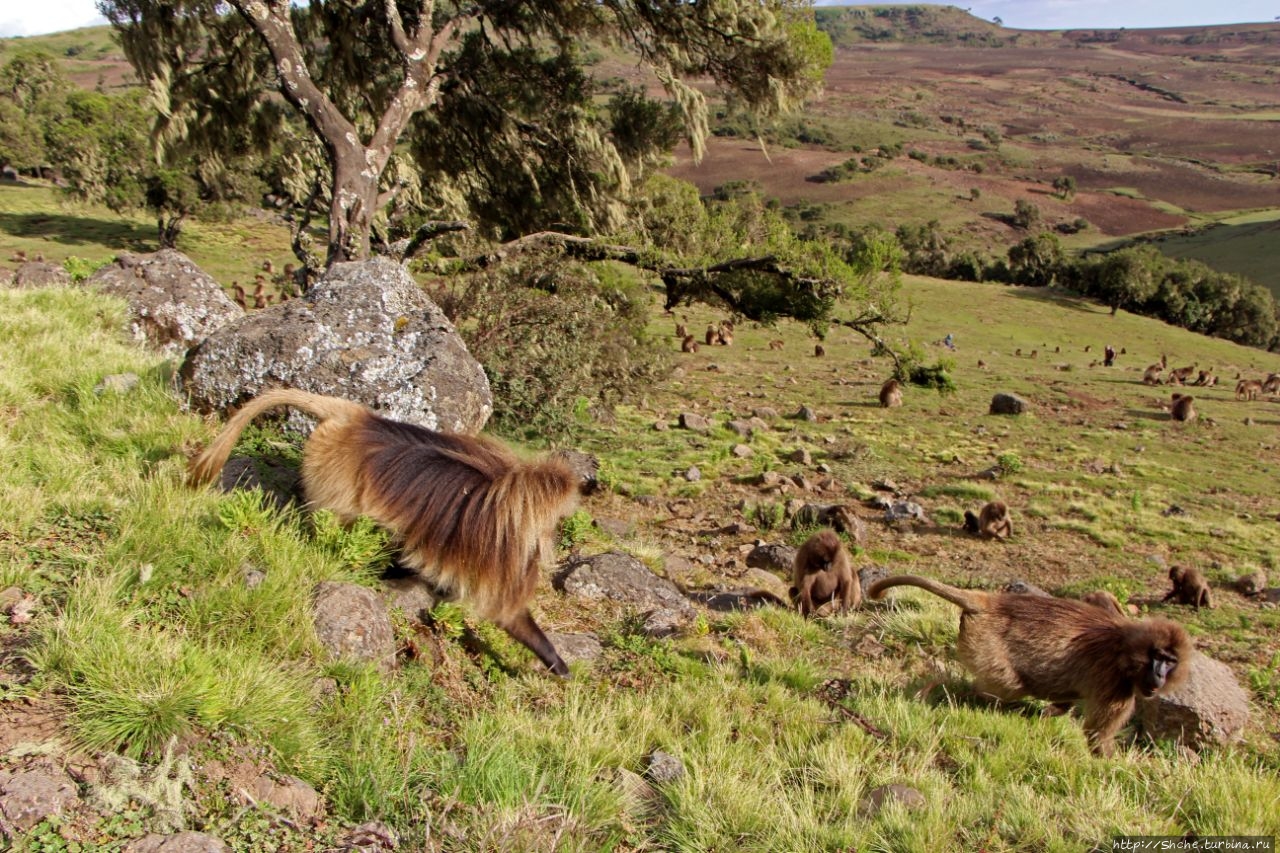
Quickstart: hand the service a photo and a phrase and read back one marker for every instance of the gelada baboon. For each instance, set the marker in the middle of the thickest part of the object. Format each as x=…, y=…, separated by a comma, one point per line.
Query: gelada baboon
x=688, y=344
x=713, y=335
x=823, y=572
x=1271, y=385
x=465, y=511
x=891, y=394
x=1189, y=587
x=1181, y=375
x=819, y=350
x=1248, y=389
x=1152, y=375
x=777, y=343
x=1061, y=651
x=1182, y=408
x=991, y=522
x=1104, y=599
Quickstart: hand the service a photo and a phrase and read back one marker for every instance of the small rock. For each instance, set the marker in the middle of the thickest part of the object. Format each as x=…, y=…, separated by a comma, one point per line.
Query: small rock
x=638, y=795
x=867, y=575
x=878, y=798
x=413, y=596
x=765, y=413
x=1008, y=404
x=693, y=475
x=576, y=647
x=352, y=621
x=30, y=796
x=1253, y=583
x=869, y=646
x=663, y=768
x=801, y=456
x=773, y=557
x=290, y=795
x=804, y=413
x=1210, y=707
x=180, y=842
x=664, y=622
x=742, y=451
x=694, y=422
x=371, y=837
x=1172, y=510
x=905, y=511
x=117, y=383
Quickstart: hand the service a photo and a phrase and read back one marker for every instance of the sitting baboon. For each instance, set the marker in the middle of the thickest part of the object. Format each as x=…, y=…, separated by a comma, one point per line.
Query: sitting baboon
x=822, y=572
x=991, y=522
x=688, y=344
x=1152, y=375
x=681, y=331
x=713, y=335
x=777, y=343
x=1248, y=389
x=1189, y=587
x=891, y=394
x=1182, y=408
x=726, y=334
x=1271, y=385
x=1181, y=375
x=819, y=350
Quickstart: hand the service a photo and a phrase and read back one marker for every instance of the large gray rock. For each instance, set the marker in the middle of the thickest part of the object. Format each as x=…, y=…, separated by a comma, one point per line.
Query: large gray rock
x=774, y=556
x=36, y=274
x=365, y=332
x=1209, y=708
x=173, y=304
x=352, y=622
x=30, y=796
x=622, y=578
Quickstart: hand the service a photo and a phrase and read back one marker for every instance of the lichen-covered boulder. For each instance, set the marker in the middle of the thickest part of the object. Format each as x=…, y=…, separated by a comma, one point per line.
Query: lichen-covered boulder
x=36, y=274
x=173, y=304
x=365, y=332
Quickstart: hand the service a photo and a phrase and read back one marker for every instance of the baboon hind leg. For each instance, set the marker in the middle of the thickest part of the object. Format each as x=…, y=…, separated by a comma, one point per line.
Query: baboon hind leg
x=523, y=629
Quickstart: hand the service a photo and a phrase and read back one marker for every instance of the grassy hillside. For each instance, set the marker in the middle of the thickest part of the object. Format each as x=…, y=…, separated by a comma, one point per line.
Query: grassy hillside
x=144, y=627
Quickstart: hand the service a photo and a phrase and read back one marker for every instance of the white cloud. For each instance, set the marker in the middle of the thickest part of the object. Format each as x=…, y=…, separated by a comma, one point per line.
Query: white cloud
x=36, y=17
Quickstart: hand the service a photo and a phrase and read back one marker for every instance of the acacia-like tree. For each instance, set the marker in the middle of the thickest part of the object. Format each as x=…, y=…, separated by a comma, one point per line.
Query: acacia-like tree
x=481, y=111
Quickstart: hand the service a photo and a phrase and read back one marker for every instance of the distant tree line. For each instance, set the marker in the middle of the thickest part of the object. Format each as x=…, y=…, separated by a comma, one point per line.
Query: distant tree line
x=1186, y=293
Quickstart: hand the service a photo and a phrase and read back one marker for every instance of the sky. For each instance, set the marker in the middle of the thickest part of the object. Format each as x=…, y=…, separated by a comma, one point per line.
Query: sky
x=34, y=17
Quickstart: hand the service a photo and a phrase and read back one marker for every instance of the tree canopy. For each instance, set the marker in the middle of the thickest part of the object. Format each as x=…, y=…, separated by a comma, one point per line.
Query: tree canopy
x=486, y=112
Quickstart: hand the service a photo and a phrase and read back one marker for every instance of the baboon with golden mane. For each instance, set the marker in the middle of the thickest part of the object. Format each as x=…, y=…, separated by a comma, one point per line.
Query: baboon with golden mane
x=466, y=513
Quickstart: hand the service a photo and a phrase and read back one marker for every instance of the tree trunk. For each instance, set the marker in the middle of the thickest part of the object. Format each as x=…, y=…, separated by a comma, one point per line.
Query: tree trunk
x=352, y=208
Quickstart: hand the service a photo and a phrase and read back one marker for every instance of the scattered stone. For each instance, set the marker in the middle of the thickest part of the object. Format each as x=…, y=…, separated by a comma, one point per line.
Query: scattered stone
x=20, y=612
x=1021, y=587
x=253, y=578
x=36, y=274
x=909, y=511
x=290, y=795
x=869, y=646
x=1159, y=562
x=878, y=799
x=742, y=451
x=992, y=473
x=695, y=422
x=885, y=486
x=804, y=413
x=836, y=516
x=576, y=647
x=1253, y=583
x=801, y=456
x=620, y=577
x=768, y=479
x=586, y=466
x=371, y=837
x=1208, y=708
x=661, y=426
x=351, y=621
x=765, y=413
x=742, y=428
x=772, y=557
x=1008, y=404
x=10, y=596
x=663, y=768
x=693, y=475
x=179, y=842
x=664, y=622
x=30, y=796
x=364, y=332
x=1172, y=510
x=638, y=796
x=768, y=582
x=173, y=304
x=824, y=468
x=412, y=596
x=616, y=528
x=117, y=383
x=867, y=575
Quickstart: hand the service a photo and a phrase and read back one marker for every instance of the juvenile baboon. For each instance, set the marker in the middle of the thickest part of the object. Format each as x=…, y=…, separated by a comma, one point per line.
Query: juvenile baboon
x=991, y=522
x=891, y=394
x=681, y=331
x=1124, y=351
x=1189, y=587
x=726, y=334
x=1104, y=599
x=259, y=295
x=268, y=267
x=1035, y=353
x=466, y=513
x=819, y=350
x=1152, y=375
x=982, y=365
x=1018, y=351
x=1205, y=379
x=1271, y=384
x=238, y=294
x=1248, y=389
x=1061, y=651
x=1182, y=408
x=776, y=344
x=1181, y=375
x=713, y=335
x=688, y=344
x=823, y=572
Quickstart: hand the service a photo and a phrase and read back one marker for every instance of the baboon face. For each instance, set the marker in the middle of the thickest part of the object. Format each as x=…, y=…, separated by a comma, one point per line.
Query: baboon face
x=1156, y=673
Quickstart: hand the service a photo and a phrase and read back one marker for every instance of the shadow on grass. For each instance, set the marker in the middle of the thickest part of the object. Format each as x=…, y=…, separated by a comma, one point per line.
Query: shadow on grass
x=1060, y=299
x=73, y=230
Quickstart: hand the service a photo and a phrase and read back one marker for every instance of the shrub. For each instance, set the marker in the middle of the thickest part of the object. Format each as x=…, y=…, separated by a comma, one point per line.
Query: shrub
x=555, y=340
